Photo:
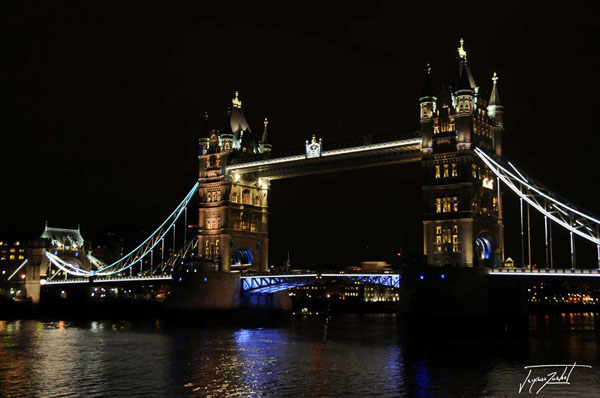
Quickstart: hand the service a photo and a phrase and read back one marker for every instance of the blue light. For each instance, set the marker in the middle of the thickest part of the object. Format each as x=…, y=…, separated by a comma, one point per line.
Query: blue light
x=421, y=277
x=76, y=254
x=56, y=252
x=443, y=276
x=205, y=279
x=179, y=279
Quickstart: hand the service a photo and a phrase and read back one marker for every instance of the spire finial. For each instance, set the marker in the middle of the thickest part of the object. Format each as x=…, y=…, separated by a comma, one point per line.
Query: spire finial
x=495, y=78
x=461, y=50
x=266, y=122
x=237, y=103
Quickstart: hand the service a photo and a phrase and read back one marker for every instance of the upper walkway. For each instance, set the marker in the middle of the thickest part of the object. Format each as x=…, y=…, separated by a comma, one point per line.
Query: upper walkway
x=366, y=152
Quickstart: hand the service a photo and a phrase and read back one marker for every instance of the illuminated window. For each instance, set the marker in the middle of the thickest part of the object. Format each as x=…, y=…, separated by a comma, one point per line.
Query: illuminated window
x=454, y=170
x=438, y=230
x=234, y=197
x=437, y=171
x=207, y=249
x=246, y=197
x=257, y=200
x=11, y=257
x=17, y=243
x=449, y=204
x=217, y=247
x=446, y=171
x=495, y=203
x=21, y=257
x=474, y=170
x=479, y=172
x=12, y=249
x=245, y=222
x=438, y=205
x=446, y=239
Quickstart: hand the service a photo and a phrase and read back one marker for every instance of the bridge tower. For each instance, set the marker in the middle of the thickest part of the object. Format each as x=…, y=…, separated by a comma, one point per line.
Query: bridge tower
x=233, y=227
x=462, y=201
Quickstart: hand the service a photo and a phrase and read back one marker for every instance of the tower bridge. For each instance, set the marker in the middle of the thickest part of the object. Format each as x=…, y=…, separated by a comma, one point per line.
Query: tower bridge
x=459, y=145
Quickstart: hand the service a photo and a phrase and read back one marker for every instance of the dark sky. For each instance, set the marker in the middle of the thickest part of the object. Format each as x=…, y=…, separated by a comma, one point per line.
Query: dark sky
x=101, y=106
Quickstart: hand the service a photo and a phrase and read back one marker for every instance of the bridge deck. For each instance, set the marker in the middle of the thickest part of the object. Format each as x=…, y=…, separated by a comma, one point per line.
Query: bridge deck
x=568, y=272
x=149, y=278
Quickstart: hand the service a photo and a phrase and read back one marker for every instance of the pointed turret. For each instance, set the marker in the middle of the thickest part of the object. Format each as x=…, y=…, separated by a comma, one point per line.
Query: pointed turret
x=495, y=111
x=494, y=97
x=462, y=66
x=427, y=100
x=264, y=143
x=427, y=87
x=464, y=94
x=427, y=104
x=236, y=123
x=204, y=136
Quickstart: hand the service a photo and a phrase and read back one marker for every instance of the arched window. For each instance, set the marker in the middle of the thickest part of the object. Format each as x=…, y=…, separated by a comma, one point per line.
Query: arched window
x=257, y=200
x=246, y=197
x=234, y=197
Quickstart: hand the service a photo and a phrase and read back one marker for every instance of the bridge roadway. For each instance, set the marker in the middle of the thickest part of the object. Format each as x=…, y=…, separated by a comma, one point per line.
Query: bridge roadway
x=272, y=283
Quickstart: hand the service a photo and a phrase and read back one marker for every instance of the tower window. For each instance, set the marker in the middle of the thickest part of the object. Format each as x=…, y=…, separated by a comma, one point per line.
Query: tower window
x=455, y=204
x=438, y=205
x=454, y=170
x=246, y=197
x=234, y=197
x=474, y=170
x=446, y=207
x=437, y=171
x=446, y=171
x=438, y=239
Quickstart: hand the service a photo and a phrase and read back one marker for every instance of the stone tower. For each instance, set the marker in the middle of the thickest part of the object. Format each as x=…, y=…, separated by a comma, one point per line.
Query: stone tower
x=462, y=201
x=233, y=208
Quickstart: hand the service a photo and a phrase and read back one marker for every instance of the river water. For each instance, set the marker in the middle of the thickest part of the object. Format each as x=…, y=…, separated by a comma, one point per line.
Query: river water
x=350, y=355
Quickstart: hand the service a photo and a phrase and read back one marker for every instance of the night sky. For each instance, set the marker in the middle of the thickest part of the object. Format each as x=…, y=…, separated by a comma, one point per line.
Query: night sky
x=101, y=106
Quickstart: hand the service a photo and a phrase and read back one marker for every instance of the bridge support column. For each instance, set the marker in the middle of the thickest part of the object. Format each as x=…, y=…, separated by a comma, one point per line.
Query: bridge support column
x=264, y=256
x=225, y=254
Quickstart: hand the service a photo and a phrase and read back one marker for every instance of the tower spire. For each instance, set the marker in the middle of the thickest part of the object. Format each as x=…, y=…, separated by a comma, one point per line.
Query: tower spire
x=494, y=97
x=427, y=87
x=264, y=142
x=236, y=102
x=462, y=53
x=264, y=136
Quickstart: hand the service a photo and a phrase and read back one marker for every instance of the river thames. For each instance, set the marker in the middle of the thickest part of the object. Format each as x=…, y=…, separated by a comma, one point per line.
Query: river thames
x=349, y=355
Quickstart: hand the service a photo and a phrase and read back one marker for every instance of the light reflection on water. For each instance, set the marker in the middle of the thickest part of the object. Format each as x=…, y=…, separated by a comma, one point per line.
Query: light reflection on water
x=344, y=356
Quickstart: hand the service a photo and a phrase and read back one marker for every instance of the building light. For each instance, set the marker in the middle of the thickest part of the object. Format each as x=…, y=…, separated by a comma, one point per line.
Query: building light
x=488, y=183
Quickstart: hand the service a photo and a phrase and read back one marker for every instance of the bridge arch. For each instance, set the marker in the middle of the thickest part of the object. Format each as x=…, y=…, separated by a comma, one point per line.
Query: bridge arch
x=484, y=249
x=242, y=257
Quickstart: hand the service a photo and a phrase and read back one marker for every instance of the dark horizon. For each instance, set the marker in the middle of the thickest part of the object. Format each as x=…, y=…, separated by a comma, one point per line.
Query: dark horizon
x=102, y=108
